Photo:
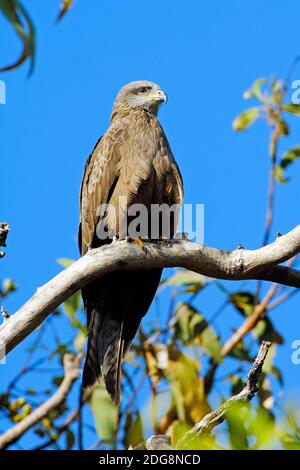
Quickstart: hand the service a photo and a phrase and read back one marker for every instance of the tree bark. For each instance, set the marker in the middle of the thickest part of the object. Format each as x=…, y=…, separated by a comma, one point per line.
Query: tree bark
x=233, y=265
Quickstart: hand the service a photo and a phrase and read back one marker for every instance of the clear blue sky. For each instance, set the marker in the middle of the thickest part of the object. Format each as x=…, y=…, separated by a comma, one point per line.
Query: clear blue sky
x=204, y=54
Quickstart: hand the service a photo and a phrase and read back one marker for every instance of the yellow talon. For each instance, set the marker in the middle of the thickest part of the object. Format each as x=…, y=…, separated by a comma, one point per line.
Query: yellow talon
x=139, y=242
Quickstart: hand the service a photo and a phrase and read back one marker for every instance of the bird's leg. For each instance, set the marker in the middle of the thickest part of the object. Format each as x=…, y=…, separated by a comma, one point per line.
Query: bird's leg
x=138, y=241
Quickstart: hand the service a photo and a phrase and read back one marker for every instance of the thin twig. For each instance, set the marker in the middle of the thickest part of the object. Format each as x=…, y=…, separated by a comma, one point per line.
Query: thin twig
x=216, y=417
x=72, y=372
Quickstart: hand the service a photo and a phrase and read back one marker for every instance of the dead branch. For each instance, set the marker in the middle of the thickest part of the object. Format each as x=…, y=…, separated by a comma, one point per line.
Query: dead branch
x=217, y=417
x=72, y=372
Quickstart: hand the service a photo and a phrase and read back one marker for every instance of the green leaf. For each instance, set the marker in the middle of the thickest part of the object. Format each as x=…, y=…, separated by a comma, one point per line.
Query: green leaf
x=283, y=127
x=239, y=352
x=192, y=328
x=288, y=158
x=71, y=306
x=65, y=262
x=262, y=427
x=70, y=439
x=255, y=91
x=105, y=414
x=60, y=350
x=279, y=175
x=243, y=301
x=64, y=8
x=134, y=434
x=57, y=380
x=193, y=282
x=290, y=441
x=79, y=340
x=189, y=401
x=269, y=367
x=237, y=428
x=277, y=374
x=278, y=89
x=21, y=22
x=245, y=119
x=292, y=109
x=9, y=285
x=237, y=384
x=264, y=394
x=177, y=430
x=178, y=399
x=264, y=330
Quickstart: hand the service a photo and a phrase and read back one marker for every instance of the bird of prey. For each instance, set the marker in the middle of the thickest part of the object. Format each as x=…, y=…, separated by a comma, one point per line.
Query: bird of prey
x=131, y=162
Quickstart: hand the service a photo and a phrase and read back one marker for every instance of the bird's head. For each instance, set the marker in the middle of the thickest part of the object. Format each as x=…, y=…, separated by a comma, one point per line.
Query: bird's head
x=141, y=95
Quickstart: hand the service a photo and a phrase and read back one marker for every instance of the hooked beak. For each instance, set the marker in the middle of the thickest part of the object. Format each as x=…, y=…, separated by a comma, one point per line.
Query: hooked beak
x=160, y=96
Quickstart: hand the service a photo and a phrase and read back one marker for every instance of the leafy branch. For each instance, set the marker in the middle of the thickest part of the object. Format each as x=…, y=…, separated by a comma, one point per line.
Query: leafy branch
x=20, y=20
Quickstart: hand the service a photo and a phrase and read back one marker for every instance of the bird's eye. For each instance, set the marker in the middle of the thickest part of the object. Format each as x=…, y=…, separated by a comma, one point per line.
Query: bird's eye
x=142, y=90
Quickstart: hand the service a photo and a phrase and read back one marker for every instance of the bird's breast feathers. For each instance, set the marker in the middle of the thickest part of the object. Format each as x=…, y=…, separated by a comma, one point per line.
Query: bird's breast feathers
x=132, y=162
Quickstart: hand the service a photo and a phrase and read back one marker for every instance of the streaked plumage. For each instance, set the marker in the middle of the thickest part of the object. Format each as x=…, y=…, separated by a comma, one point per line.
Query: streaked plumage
x=132, y=160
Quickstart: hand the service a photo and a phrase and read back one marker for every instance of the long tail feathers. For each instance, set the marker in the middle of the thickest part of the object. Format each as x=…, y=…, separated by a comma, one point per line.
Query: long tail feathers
x=91, y=371
x=106, y=349
x=112, y=367
x=113, y=319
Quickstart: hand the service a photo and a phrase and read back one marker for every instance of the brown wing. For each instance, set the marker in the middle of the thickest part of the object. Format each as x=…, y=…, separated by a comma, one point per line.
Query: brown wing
x=99, y=176
x=113, y=174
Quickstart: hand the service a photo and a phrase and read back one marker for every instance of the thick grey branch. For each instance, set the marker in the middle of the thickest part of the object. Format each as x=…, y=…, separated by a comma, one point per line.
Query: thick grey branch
x=234, y=265
x=72, y=372
x=216, y=417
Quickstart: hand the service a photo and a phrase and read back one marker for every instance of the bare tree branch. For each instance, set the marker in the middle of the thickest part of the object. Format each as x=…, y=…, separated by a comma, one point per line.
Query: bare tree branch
x=72, y=372
x=249, y=323
x=217, y=417
x=156, y=442
x=233, y=265
x=73, y=416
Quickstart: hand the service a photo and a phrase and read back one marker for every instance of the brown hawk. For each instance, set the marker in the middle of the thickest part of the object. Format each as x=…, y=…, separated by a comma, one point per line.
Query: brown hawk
x=131, y=163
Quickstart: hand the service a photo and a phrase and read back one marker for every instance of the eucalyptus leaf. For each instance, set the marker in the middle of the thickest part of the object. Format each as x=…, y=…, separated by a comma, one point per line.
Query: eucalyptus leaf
x=245, y=119
x=255, y=91
x=65, y=262
x=192, y=282
x=105, y=414
x=20, y=21
x=292, y=109
x=288, y=158
x=134, y=433
x=64, y=8
x=192, y=328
